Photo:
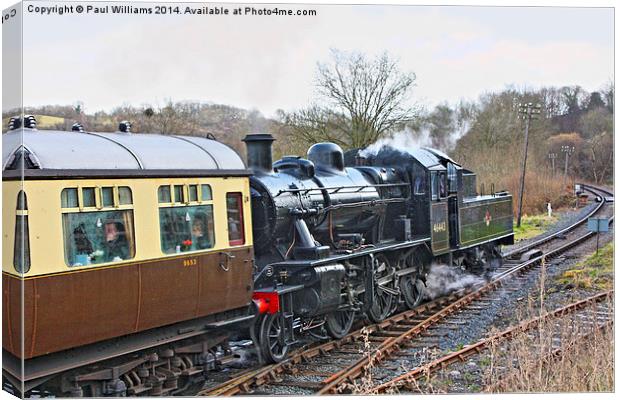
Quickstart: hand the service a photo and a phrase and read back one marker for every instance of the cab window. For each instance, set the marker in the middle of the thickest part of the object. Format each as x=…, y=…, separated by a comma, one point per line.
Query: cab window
x=452, y=178
x=434, y=186
x=185, y=225
x=443, y=186
x=97, y=226
x=234, y=206
x=418, y=186
x=21, y=250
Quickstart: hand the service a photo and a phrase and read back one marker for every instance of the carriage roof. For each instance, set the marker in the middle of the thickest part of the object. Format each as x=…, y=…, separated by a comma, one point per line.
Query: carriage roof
x=115, y=152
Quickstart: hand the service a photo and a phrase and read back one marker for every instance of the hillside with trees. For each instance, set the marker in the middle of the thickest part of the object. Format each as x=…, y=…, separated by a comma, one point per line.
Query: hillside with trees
x=361, y=100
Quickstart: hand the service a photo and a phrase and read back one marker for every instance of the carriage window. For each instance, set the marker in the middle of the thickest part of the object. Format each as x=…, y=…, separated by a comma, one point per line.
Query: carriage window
x=107, y=196
x=178, y=194
x=88, y=197
x=69, y=198
x=92, y=238
x=97, y=237
x=22, y=201
x=21, y=249
x=206, y=192
x=234, y=207
x=124, y=195
x=163, y=194
x=186, y=228
x=193, y=192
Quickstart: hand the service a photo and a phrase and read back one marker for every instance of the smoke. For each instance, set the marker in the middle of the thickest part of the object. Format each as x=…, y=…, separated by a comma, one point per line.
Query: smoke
x=402, y=140
x=443, y=279
x=461, y=127
x=440, y=129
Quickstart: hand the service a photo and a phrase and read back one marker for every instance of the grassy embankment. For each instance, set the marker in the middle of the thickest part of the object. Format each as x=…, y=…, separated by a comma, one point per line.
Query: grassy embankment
x=533, y=225
x=595, y=272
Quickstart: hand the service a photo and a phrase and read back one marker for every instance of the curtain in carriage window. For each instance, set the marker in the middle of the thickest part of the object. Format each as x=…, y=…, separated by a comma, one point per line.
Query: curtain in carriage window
x=98, y=237
x=234, y=207
x=98, y=226
x=186, y=229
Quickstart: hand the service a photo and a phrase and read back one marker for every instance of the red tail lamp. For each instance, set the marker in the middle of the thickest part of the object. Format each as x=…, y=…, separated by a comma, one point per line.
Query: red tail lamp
x=267, y=302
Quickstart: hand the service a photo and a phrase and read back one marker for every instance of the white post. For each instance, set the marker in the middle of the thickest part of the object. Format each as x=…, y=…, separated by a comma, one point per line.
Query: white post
x=549, y=210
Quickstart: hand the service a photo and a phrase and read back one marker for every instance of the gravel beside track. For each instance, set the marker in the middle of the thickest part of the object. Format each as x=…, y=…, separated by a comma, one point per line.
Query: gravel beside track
x=496, y=311
x=565, y=218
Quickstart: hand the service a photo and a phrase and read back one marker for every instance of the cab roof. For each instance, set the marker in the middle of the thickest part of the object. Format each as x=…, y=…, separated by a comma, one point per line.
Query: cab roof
x=430, y=159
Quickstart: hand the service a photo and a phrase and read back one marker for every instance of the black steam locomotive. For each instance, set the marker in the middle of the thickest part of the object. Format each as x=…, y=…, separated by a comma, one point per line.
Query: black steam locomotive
x=335, y=240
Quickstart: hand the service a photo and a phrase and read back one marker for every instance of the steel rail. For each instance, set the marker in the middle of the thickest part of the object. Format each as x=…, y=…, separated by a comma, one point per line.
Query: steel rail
x=263, y=375
x=555, y=235
x=392, y=344
x=470, y=350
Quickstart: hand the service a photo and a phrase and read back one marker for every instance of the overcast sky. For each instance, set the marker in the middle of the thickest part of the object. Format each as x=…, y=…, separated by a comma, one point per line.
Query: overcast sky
x=269, y=63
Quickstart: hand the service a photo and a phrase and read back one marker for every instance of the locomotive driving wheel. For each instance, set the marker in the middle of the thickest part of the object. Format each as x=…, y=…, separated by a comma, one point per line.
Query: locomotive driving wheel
x=272, y=338
x=412, y=290
x=411, y=286
x=338, y=323
x=384, y=298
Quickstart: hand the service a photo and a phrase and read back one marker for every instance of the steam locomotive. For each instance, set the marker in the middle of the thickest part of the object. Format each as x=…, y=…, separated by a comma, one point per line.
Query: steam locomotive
x=336, y=239
x=130, y=259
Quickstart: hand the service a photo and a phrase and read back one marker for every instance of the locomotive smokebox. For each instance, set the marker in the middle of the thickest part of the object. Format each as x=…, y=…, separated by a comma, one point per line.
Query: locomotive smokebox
x=260, y=158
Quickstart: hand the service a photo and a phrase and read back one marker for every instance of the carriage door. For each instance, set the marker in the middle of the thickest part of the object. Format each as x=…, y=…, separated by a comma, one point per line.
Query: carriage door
x=453, y=206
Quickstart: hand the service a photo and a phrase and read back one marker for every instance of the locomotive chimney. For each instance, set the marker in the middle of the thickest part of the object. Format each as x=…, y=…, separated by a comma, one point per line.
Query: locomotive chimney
x=260, y=158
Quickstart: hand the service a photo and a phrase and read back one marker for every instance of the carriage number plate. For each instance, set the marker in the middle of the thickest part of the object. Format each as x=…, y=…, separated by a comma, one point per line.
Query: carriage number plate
x=190, y=262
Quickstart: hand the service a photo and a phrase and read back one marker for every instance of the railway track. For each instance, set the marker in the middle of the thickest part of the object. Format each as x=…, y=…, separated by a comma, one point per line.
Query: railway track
x=600, y=317
x=334, y=366
x=566, y=233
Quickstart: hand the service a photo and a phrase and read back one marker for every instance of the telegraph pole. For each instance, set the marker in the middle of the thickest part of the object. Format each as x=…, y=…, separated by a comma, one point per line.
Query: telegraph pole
x=527, y=111
x=552, y=157
x=567, y=150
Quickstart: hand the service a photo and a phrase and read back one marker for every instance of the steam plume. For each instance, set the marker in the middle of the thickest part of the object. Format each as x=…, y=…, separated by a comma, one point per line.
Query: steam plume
x=443, y=279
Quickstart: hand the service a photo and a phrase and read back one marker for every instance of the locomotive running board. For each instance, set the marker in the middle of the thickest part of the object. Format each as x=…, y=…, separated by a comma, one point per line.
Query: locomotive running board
x=342, y=257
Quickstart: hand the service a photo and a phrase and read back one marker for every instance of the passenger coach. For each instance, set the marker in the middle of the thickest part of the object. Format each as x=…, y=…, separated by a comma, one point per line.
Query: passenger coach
x=128, y=241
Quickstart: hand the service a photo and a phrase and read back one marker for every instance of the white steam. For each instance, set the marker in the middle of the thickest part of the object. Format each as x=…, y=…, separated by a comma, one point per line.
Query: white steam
x=403, y=140
x=443, y=279
x=440, y=134
x=462, y=126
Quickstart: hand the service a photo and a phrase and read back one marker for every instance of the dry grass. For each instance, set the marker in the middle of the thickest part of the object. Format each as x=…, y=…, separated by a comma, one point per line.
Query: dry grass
x=566, y=354
x=503, y=170
x=366, y=384
x=525, y=363
x=596, y=272
x=540, y=189
x=530, y=363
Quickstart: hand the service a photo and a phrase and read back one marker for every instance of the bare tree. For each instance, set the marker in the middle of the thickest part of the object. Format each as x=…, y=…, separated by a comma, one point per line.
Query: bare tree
x=361, y=100
x=316, y=124
x=601, y=156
